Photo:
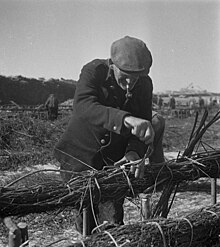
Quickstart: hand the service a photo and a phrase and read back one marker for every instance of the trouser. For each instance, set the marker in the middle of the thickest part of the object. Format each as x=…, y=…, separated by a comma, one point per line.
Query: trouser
x=52, y=113
x=113, y=211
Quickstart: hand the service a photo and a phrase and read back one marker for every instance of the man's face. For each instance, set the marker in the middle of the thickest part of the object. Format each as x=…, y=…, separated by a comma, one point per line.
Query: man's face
x=124, y=80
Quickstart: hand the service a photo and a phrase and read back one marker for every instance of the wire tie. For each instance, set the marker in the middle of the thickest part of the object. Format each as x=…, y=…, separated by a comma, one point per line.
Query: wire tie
x=99, y=226
x=160, y=229
x=194, y=161
x=114, y=241
x=211, y=212
x=82, y=243
x=97, y=184
x=128, y=180
x=92, y=205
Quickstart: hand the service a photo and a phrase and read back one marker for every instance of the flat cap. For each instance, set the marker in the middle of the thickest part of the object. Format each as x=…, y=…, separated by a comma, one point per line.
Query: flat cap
x=131, y=55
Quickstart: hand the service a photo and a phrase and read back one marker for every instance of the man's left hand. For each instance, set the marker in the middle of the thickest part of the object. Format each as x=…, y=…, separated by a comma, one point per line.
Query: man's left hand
x=137, y=169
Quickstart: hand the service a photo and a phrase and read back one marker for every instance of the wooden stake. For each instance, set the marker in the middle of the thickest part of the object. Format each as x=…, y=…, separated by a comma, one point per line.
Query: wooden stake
x=85, y=222
x=145, y=207
x=24, y=232
x=214, y=190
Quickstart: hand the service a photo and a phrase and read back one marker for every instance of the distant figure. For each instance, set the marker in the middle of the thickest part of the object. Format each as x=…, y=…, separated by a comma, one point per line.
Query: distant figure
x=214, y=101
x=210, y=103
x=201, y=103
x=51, y=105
x=172, y=103
x=192, y=105
x=160, y=102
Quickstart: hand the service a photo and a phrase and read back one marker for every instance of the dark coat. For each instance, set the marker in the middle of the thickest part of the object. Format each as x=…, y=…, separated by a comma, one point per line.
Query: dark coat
x=52, y=102
x=95, y=134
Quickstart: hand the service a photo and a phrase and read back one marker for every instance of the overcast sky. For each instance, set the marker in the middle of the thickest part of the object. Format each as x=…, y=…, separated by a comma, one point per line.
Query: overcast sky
x=55, y=38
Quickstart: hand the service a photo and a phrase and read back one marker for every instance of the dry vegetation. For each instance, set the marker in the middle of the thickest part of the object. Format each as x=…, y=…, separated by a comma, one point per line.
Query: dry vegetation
x=26, y=144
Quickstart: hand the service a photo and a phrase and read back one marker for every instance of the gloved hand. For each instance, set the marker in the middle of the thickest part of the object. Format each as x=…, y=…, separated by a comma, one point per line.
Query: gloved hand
x=141, y=128
x=137, y=169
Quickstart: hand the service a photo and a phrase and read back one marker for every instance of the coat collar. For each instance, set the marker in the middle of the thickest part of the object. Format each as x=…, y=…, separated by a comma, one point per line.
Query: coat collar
x=110, y=73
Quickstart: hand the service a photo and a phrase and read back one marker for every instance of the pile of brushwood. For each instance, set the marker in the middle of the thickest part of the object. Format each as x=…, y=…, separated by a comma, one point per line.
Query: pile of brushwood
x=35, y=193
x=40, y=191
x=25, y=140
x=200, y=228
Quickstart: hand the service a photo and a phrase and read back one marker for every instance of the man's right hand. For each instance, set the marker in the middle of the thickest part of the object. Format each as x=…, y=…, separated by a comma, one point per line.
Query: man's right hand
x=141, y=128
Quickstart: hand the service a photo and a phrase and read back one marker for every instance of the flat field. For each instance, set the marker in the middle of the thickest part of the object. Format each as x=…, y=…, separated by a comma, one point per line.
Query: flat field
x=26, y=144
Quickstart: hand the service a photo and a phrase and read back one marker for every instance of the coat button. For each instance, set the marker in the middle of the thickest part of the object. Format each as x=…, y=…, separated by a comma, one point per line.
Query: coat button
x=114, y=127
x=103, y=141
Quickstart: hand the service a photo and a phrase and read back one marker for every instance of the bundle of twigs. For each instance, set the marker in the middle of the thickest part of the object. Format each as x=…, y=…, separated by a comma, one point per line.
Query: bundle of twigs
x=104, y=185
x=200, y=228
x=110, y=184
x=195, y=142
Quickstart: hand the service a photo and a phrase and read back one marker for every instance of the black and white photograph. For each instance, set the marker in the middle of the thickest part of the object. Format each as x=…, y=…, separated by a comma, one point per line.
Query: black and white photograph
x=109, y=123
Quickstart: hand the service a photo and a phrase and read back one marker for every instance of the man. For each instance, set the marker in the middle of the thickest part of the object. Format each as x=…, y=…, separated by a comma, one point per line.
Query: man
x=112, y=116
x=51, y=105
x=160, y=102
x=172, y=103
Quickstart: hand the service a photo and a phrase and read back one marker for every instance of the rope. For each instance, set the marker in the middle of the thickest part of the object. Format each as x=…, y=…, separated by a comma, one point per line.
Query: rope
x=194, y=161
x=80, y=161
x=92, y=205
x=161, y=231
x=211, y=212
x=29, y=174
x=157, y=177
x=57, y=241
x=82, y=243
x=97, y=184
x=99, y=226
x=114, y=241
x=128, y=180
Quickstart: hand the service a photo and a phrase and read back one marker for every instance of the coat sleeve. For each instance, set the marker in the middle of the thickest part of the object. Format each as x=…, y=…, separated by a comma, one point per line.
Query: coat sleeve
x=145, y=92
x=87, y=101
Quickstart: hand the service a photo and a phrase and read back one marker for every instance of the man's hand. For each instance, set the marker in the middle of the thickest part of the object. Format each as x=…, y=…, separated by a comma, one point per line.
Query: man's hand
x=141, y=128
x=137, y=169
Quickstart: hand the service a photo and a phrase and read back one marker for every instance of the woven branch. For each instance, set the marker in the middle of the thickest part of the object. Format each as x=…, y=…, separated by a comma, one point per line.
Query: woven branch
x=105, y=185
x=200, y=228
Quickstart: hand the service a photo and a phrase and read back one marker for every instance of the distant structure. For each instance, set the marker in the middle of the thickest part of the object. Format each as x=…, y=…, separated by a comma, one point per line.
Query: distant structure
x=193, y=89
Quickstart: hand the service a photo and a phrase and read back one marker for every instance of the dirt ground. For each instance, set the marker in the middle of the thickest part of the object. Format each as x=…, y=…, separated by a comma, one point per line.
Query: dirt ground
x=48, y=228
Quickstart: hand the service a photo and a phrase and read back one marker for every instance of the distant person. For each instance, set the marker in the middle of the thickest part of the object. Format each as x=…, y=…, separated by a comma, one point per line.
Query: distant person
x=51, y=105
x=192, y=105
x=172, y=103
x=201, y=103
x=160, y=102
x=214, y=101
x=210, y=103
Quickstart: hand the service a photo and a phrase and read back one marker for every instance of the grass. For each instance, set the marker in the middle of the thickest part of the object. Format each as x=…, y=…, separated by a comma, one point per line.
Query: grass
x=39, y=137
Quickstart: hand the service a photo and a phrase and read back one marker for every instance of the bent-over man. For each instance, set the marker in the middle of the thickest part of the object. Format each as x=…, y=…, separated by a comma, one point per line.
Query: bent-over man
x=112, y=121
